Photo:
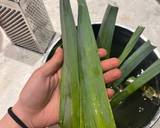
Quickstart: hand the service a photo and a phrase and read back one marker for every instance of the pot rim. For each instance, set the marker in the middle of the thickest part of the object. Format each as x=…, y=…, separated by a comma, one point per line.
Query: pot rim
x=132, y=30
x=157, y=115
x=58, y=37
x=156, y=118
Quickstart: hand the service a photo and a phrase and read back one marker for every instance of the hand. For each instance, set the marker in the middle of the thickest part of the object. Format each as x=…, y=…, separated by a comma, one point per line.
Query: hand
x=38, y=104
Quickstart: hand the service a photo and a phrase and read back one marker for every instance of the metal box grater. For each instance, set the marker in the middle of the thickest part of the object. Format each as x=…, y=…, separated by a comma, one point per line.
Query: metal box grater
x=26, y=23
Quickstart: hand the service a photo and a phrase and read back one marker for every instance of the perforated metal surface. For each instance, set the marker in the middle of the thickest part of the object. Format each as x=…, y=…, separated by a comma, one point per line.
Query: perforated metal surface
x=26, y=23
x=36, y=15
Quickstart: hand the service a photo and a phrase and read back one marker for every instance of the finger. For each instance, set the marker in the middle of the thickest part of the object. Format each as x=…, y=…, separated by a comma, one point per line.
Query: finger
x=110, y=64
x=110, y=92
x=112, y=75
x=55, y=63
x=102, y=52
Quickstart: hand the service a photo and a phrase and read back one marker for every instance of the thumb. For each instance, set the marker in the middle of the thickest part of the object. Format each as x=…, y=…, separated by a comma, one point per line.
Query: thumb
x=55, y=63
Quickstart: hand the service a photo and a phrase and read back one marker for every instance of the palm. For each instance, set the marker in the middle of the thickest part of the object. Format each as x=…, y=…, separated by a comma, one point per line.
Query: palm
x=40, y=98
x=44, y=98
x=51, y=107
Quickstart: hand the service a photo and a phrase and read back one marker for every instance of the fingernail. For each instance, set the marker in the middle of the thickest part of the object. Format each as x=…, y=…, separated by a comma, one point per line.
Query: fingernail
x=58, y=49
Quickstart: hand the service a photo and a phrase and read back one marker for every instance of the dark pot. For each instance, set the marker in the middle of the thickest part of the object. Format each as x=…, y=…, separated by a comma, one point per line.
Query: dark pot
x=137, y=111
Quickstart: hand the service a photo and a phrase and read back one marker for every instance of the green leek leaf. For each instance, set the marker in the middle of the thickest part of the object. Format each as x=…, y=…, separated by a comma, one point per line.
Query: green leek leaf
x=146, y=76
x=107, y=28
x=96, y=109
x=133, y=61
x=130, y=45
x=70, y=90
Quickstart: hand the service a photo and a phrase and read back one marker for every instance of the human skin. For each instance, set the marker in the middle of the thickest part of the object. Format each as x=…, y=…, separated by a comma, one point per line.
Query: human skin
x=38, y=103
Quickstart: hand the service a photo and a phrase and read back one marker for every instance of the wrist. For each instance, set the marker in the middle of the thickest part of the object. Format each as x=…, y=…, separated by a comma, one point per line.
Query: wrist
x=8, y=122
x=23, y=114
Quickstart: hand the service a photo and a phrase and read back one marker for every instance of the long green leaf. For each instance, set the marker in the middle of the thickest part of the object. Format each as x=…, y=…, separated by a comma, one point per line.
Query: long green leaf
x=107, y=28
x=130, y=45
x=96, y=109
x=133, y=61
x=147, y=75
x=70, y=90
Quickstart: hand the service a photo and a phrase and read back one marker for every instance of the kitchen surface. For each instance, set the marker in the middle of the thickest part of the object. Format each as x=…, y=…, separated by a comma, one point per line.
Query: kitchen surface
x=17, y=64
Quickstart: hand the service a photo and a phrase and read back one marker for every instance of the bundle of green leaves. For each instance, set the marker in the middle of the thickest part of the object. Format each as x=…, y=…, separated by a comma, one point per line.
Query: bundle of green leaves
x=83, y=105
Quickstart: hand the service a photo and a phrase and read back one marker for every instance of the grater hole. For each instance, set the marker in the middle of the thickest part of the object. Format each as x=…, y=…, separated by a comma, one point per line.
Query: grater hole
x=16, y=26
x=13, y=21
x=26, y=33
x=7, y=15
x=4, y=13
x=17, y=29
x=10, y=17
x=18, y=32
x=21, y=37
x=2, y=9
